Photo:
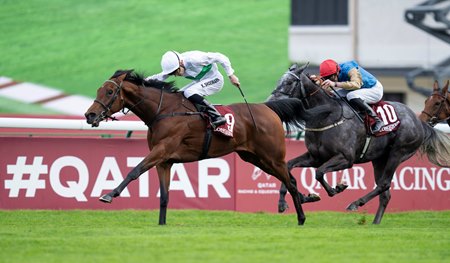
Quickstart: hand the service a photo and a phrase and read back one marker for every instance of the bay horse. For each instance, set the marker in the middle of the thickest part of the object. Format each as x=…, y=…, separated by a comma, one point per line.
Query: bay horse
x=336, y=139
x=437, y=106
x=177, y=132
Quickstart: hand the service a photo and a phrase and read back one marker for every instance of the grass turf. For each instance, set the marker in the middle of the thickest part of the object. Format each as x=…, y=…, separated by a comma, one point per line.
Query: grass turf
x=217, y=236
x=76, y=44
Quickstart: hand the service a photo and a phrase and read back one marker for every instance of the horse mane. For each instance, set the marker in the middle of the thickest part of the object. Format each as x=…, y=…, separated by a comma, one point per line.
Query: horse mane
x=138, y=79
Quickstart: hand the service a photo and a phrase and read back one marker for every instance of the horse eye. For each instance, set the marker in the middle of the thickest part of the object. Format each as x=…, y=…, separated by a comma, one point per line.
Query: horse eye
x=110, y=92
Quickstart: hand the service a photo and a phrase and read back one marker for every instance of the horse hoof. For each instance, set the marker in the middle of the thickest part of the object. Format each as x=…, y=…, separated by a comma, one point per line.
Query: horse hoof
x=341, y=187
x=106, y=199
x=352, y=207
x=301, y=222
x=313, y=198
x=282, y=207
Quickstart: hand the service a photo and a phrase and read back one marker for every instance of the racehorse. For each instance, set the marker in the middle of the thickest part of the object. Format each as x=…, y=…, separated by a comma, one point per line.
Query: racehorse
x=336, y=139
x=178, y=133
x=437, y=106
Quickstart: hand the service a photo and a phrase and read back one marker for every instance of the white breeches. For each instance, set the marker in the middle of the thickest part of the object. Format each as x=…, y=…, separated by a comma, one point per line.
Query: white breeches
x=370, y=95
x=210, y=84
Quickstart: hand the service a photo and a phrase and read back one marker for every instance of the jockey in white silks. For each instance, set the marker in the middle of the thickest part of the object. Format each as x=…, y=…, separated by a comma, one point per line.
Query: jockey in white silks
x=201, y=68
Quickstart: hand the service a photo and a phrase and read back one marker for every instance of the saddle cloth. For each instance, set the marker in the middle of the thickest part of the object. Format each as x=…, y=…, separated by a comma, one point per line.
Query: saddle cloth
x=227, y=128
x=386, y=112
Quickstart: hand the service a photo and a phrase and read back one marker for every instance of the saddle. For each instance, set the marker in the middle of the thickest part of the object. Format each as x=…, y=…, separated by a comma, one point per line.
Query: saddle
x=225, y=129
x=385, y=112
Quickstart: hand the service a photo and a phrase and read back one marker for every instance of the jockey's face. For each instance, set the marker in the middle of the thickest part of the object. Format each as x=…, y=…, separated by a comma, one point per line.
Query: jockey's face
x=333, y=77
x=180, y=71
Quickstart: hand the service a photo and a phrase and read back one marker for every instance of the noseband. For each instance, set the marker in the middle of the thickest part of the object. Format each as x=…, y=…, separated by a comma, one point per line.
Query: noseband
x=434, y=119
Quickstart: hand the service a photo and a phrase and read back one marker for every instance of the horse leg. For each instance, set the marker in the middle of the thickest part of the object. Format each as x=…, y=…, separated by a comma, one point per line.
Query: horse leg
x=291, y=186
x=279, y=170
x=148, y=162
x=164, y=184
x=335, y=163
x=282, y=204
x=384, y=197
x=133, y=175
x=383, y=185
x=384, y=200
x=304, y=160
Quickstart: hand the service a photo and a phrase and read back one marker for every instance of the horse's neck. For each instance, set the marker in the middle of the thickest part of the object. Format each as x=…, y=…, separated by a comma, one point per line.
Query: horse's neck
x=147, y=103
x=325, y=110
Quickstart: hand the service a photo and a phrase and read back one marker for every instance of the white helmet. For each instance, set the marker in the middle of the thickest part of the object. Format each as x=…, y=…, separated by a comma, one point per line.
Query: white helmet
x=170, y=62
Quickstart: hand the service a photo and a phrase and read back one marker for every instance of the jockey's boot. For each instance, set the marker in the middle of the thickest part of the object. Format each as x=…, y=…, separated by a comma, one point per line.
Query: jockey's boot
x=361, y=105
x=216, y=118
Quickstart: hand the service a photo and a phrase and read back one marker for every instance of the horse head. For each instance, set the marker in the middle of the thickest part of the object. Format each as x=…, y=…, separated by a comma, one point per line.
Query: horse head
x=109, y=99
x=296, y=84
x=437, y=106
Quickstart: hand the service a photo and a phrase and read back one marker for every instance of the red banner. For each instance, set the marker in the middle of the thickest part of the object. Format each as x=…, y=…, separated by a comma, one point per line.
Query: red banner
x=72, y=173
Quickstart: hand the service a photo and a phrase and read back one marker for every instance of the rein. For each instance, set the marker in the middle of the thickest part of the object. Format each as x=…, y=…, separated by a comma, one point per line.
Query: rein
x=107, y=107
x=304, y=99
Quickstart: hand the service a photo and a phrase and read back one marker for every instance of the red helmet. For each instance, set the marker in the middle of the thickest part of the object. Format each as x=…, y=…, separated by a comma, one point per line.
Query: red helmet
x=329, y=67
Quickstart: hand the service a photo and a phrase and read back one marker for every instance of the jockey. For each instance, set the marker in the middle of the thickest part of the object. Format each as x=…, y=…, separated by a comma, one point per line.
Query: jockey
x=201, y=68
x=356, y=84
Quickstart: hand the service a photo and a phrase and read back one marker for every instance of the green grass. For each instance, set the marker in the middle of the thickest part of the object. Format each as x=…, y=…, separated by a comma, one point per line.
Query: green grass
x=13, y=106
x=205, y=236
x=76, y=44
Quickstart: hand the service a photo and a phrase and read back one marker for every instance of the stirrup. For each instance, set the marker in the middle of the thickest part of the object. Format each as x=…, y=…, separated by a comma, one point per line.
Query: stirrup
x=218, y=121
x=377, y=126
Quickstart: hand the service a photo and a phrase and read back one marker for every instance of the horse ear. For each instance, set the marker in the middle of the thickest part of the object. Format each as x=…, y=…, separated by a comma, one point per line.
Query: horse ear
x=293, y=67
x=436, y=86
x=302, y=68
x=124, y=75
x=445, y=89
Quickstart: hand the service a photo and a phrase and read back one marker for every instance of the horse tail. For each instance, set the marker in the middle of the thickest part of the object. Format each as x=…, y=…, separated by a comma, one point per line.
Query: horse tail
x=436, y=146
x=293, y=113
x=289, y=111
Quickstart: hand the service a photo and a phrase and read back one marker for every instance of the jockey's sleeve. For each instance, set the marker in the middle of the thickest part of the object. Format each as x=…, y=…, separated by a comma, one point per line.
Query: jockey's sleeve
x=355, y=81
x=159, y=76
x=215, y=57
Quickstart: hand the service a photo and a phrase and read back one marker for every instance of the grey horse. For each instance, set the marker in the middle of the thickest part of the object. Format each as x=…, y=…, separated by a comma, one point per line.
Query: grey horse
x=336, y=139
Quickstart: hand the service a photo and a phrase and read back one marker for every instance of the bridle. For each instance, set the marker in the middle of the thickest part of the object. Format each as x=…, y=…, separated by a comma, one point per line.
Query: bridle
x=434, y=119
x=290, y=92
x=305, y=102
x=106, y=108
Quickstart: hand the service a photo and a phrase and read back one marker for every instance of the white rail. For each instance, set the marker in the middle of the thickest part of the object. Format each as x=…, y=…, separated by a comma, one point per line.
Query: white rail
x=39, y=123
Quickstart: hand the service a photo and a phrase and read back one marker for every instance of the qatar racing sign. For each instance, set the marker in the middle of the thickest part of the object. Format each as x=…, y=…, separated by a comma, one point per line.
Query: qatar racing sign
x=57, y=173
x=72, y=173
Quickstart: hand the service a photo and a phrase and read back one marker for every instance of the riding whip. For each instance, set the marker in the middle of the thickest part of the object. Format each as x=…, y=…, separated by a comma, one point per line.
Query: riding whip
x=249, y=110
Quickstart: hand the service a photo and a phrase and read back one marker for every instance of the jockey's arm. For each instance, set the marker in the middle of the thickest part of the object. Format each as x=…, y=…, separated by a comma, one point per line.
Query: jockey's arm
x=355, y=81
x=224, y=61
x=159, y=76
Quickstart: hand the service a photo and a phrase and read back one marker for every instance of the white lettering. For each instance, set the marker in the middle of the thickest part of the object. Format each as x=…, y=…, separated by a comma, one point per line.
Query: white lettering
x=304, y=176
x=402, y=179
x=144, y=183
x=183, y=183
x=427, y=177
x=75, y=189
x=440, y=181
x=216, y=181
x=109, y=165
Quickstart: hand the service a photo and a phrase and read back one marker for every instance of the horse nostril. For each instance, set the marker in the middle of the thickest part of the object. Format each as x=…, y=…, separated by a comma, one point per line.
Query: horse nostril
x=89, y=116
